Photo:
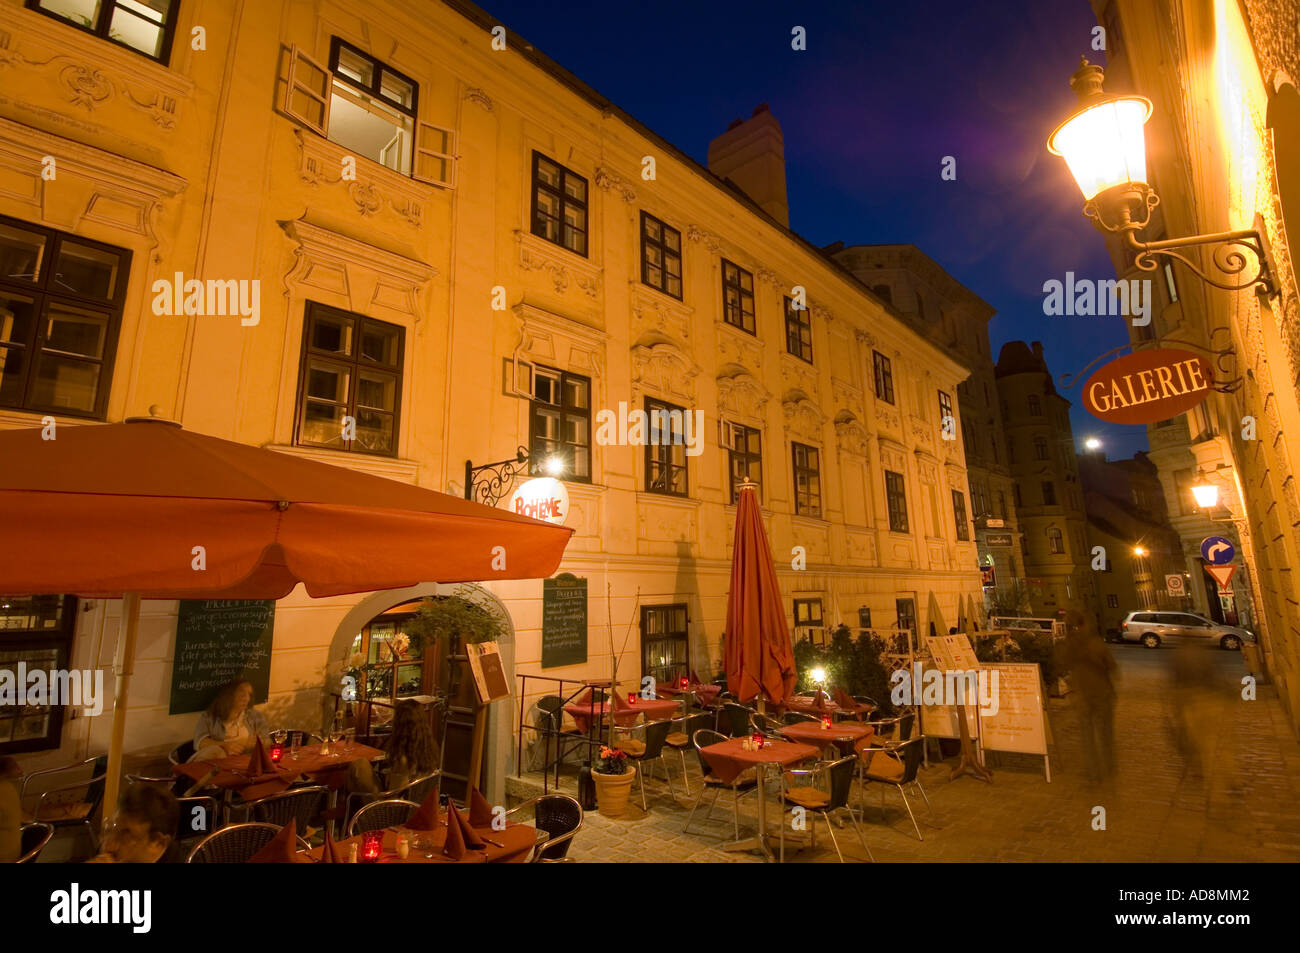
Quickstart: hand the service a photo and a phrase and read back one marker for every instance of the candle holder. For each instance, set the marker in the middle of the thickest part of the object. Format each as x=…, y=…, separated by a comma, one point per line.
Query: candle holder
x=826, y=722
x=372, y=845
x=277, y=752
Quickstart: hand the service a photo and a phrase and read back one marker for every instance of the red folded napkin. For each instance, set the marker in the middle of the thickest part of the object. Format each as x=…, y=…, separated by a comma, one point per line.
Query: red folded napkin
x=618, y=702
x=426, y=817
x=283, y=849
x=468, y=836
x=844, y=699
x=330, y=853
x=480, y=811
x=454, y=846
x=260, y=762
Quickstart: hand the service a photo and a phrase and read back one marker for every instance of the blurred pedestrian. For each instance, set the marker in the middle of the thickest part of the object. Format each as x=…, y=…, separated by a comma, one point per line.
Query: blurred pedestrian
x=1093, y=674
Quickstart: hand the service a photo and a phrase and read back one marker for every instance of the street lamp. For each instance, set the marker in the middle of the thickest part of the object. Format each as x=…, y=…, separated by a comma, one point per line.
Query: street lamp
x=1103, y=144
x=1139, y=552
x=1206, y=495
x=1092, y=443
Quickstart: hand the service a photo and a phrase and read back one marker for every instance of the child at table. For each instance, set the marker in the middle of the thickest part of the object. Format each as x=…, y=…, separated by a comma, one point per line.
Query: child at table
x=230, y=725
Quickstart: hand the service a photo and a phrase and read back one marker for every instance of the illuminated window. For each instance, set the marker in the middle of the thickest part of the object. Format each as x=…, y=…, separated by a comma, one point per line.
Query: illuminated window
x=559, y=205
x=807, y=480
x=737, y=297
x=145, y=26
x=661, y=256
x=798, y=331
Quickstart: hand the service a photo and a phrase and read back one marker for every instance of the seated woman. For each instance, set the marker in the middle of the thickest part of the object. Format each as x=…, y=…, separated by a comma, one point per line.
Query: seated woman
x=411, y=752
x=230, y=725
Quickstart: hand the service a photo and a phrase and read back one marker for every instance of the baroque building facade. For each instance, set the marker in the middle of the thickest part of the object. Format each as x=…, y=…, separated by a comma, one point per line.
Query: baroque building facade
x=446, y=251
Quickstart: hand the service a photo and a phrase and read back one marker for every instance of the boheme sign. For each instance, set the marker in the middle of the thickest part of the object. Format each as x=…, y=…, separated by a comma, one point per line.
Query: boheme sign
x=1148, y=386
x=544, y=498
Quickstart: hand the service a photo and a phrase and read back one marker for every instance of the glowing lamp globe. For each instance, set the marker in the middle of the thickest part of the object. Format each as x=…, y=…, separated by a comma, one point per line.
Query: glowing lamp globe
x=1206, y=495
x=1102, y=142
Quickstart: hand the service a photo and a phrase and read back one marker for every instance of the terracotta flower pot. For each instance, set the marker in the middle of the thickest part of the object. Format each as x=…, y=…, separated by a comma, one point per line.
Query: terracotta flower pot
x=612, y=790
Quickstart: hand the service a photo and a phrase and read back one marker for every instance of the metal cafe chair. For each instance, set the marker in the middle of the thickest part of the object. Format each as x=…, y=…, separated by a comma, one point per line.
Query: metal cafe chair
x=550, y=709
x=832, y=794
x=765, y=725
x=679, y=739
x=34, y=837
x=651, y=750
x=899, y=769
x=298, y=804
x=236, y=843
x=181, y=753
x=794, y=717
x=419, y=789
x=745, y=782
x=560, y=816
x=55, y=805
x=737, y=718
x=202, y=810
x=379, y=815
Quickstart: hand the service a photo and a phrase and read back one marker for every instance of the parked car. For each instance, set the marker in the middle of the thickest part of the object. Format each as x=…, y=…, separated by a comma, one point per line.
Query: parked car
x=1152, y=628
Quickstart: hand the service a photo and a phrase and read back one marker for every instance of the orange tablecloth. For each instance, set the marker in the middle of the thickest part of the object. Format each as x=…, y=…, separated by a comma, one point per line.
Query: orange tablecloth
x=729, y=758
x=808, y=705
x=519, y=840
x=326, y=769
x=654, y=710
x=813, y=732
x=707, y=694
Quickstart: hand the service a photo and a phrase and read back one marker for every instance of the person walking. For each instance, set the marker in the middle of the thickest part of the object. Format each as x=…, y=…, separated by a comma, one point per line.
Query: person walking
x=1093, y=674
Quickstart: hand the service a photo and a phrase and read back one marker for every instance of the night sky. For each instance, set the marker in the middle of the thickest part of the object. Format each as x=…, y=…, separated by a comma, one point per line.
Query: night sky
x=882, y=93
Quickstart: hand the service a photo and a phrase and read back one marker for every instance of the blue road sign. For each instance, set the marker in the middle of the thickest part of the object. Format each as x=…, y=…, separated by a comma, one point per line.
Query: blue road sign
x=1217, y=551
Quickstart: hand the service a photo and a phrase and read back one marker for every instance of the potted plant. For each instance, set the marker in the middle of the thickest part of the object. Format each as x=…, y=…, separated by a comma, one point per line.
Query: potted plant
x=613, y=774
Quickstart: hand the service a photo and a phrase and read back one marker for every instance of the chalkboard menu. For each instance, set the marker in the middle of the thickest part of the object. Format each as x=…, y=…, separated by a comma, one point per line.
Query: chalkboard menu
x=564, y=621
x=217, y=641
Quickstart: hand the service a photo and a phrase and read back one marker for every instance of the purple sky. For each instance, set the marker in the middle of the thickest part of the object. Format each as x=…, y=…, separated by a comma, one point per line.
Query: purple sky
x=882, y=93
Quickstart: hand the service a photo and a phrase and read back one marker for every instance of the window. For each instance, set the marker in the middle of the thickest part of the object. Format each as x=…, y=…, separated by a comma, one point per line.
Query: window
x=1040, y=448
x=737, y=297
x=945, y=407
x=884, y=375
x=744, y=457
x=798, y=331
x=979, y=497
x=906, y=612
x=145, y=26
x=370, y=109
x=807, y=481
x=349, y=396
x=959, y=512
x=1035, y=406
x=884, y=293
x=1055, y=541
x=665, y=451
x=897, y=500
x=1049, y=493
x=661, y=256
x=808, y=612
x=559, y=205
x=413, y=674
x=60, y=310
x=35, y=631
x=665, y=642
x=864, y=617
x=561, y=423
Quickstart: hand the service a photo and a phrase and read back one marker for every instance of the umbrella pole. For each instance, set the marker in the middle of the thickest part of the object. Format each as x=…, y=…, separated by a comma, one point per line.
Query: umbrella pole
x=124, y=666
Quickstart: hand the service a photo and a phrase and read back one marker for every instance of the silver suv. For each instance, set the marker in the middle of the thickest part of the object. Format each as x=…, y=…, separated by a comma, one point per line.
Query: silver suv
x=1152, y=628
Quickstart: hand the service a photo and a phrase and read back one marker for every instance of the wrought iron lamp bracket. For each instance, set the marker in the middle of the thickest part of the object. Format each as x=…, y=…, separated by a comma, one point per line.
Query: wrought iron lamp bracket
x=1219, y=354
x=1126, y=210
x=494, y=488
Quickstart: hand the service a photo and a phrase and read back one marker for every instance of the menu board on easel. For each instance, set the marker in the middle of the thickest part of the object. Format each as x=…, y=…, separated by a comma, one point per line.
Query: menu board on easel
x=939, y=720
x=489, y=674
x=1019, y=724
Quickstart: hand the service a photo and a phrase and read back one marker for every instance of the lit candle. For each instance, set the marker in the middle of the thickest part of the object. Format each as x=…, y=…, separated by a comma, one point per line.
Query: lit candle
x=684, y=681
x=826, y=722
x=757, y=739
x=372, y=843
x=277, y=752
x=631, y=699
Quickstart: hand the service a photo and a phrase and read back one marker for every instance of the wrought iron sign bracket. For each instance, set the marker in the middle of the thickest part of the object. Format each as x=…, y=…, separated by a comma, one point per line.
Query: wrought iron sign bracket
x=492, y=489
x=1126, y=210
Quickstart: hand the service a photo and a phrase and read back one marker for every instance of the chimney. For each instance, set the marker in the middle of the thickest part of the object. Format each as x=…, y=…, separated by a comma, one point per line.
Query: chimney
x=751, y=153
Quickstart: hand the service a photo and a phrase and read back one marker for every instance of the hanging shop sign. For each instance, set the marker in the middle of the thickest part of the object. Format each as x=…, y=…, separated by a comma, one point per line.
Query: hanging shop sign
x=1002, y=540
x=1148, y=386
x=543, y=498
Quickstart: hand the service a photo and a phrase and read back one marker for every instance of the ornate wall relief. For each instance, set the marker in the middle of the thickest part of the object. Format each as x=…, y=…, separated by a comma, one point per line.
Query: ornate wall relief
x=660, y=366
x=608, y=181
x=850, y=436
x=803, y=418
x=321, y=163
x=565, y=272
x=740, y=394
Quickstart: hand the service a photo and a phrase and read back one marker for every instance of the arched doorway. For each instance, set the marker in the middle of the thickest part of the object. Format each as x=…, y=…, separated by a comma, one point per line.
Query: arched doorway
x=372, y=619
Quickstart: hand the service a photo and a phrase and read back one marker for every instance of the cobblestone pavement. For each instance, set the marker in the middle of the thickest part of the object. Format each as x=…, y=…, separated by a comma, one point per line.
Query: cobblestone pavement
x=1246, y=806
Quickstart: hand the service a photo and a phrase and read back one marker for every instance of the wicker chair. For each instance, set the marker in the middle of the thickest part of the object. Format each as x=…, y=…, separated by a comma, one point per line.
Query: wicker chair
x=560, y=816
x=34, y=838
x=199, y=817
x=379, y=815
x=236, y=844
x=550, y=710
x=303, y=805
x=181, y=753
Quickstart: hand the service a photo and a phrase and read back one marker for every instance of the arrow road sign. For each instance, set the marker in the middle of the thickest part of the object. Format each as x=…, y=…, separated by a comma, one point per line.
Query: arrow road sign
x=1222, y=575
x=1217, y=551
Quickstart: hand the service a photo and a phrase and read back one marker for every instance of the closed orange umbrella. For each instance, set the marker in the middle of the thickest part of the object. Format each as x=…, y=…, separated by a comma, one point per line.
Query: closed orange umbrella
x=144, y=509
x=759, y=655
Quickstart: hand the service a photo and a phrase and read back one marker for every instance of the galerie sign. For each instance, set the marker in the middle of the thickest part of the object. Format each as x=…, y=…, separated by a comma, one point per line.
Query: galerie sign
x=544, y=498
x=1148, y=386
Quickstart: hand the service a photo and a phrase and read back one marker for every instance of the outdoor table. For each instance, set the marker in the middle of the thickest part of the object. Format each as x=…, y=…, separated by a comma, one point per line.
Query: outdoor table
x=519, y=841
x=654, y=709
x=232, y=771
x=816, y=732
x=729, y=758
x=707, y=694
x=807, y=704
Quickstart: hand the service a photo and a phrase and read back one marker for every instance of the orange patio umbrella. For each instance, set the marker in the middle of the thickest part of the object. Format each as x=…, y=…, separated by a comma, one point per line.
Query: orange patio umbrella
x=144, y=509
x=759, y=655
